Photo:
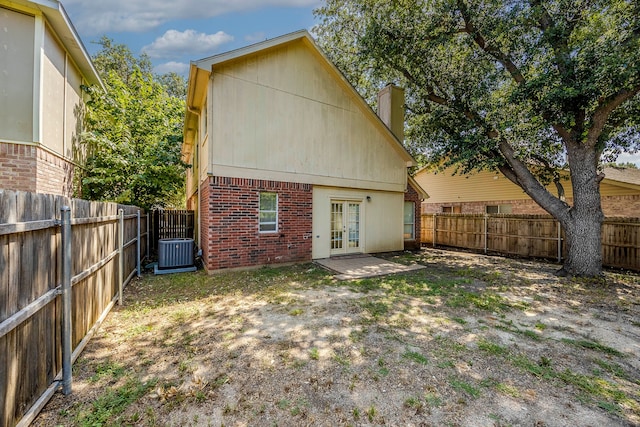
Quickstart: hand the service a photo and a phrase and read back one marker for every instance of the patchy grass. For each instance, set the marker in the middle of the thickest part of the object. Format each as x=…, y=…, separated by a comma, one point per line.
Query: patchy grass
x=107, y=408
x=416, y=357
x=292, y=345
x=592, y=345
x=464, y=386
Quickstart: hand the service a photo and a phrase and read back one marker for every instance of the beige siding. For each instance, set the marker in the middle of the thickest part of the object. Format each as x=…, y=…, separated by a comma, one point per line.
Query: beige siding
x=53, y=105
x=73, y=111
x=205, y=148
x=281, y=115
x=610, y=189
x=190, y=182
x=17, y=75
x=443, y=187
x=381, y=223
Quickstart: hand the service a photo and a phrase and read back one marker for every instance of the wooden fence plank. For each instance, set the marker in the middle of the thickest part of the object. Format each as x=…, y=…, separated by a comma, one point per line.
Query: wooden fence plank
x=531, y=236
x=30, y=353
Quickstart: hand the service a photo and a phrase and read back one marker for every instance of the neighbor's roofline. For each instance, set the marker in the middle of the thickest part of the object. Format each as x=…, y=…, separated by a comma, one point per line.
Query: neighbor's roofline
x=421, y=191
x=619, y=179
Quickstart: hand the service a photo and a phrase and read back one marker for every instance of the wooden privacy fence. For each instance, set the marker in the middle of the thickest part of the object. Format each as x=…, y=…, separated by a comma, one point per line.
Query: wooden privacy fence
x=170, y=224
x=63, y=265
x=529, y=236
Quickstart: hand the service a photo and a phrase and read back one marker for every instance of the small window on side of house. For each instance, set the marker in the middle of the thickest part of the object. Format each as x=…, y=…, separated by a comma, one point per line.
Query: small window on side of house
x=498, y=209
x=409, y=220
x=268, y=213
x=447, y=209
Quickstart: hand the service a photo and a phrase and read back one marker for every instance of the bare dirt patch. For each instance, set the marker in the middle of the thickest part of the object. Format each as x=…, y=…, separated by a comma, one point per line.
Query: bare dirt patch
x=469, y=341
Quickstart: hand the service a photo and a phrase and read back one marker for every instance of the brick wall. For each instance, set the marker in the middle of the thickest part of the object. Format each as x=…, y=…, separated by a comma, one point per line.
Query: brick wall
x=517, y=207
x=30, y=168
x=18, y=167
x=411, y=195
x=229, y=223
x=625, y=206
x=55, y=174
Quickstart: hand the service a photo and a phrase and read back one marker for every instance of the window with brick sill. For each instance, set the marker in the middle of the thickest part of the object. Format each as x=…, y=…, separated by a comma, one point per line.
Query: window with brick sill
x=268, y=213
x=452, y=209
x=498, y=209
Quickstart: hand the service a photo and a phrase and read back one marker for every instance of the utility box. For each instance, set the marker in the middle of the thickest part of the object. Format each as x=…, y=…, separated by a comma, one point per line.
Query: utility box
x=175, y=255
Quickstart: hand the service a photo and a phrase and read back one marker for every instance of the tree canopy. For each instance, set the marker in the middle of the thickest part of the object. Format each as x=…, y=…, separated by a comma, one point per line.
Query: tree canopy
x=526, y=87
x=133, y=132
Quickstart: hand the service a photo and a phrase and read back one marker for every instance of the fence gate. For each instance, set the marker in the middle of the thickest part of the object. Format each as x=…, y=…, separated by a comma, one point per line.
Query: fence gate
x=170, y=224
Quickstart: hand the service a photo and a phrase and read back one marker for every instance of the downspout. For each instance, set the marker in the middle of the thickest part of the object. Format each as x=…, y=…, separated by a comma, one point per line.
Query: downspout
x=196, y=174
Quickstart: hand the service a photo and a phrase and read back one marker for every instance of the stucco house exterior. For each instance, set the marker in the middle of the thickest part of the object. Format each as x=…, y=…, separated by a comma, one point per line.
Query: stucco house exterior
x=289, y=162
x=43, y=65
x=492, y=192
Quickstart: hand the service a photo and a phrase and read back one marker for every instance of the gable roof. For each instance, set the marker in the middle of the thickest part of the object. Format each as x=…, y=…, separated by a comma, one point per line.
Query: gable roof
x=57, y=17
x=492, y=185
x=421, y=191
x=201, y=69
x=626, y=177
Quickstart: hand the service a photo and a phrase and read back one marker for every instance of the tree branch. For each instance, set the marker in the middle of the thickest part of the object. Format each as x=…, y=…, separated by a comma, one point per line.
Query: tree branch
x=557, y=39
x=492, y=50
x=530, y=185
x=604, y=110
x=431, y=95
x=554, y=172
x=546, y=24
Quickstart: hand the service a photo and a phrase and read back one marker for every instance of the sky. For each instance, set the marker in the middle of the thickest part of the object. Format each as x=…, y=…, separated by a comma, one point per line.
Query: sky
x=175, y=32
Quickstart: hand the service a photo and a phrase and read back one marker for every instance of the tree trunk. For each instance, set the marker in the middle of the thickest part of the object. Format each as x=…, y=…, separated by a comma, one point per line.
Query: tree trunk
x=584, y=245
x=583, y=224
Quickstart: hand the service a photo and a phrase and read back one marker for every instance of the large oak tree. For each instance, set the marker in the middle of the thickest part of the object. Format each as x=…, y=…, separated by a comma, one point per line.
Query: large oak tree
x=133, y=132
x=526, y=87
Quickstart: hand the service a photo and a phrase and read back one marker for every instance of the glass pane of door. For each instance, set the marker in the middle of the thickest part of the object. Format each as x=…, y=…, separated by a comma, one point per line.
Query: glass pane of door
x=337, y=225
x=353, y=225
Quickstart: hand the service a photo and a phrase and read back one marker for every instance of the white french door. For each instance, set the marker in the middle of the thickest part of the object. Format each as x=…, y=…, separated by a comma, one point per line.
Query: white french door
x=345, y=227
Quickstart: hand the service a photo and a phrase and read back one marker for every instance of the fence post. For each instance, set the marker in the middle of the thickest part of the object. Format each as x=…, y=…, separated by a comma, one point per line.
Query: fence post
x=435, y=218
x=486, y=232
x=138, y=245
x=148, y=238
x=65, y=213
x=559, y=242
x=120, y=255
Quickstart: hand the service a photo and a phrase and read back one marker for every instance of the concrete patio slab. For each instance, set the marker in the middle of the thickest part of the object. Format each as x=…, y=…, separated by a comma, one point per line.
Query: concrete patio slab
x=362, y=265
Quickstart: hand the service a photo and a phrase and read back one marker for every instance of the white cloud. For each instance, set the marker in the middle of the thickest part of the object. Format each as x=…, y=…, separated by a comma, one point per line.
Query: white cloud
x=176, y=43
x=98, y=17
x=172, y=67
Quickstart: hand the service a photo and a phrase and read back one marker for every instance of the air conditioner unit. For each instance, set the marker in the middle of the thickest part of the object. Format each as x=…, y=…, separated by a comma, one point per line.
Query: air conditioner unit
x=175, y=255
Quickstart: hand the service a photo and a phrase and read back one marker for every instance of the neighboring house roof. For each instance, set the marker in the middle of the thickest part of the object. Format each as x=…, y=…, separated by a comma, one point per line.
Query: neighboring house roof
x=423, y=194
x=201, y=69
x=626, y=177
x=59, y=20
x=491, y=185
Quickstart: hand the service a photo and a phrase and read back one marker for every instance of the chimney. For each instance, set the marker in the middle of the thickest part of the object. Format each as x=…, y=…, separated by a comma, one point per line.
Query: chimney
x=391, y=109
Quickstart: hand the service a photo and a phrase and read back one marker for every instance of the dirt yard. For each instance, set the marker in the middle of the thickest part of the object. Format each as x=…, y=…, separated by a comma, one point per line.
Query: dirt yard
x=469, y=341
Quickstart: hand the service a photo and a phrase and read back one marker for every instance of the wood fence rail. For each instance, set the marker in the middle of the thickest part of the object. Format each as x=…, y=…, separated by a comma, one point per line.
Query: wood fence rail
x=35, y=273
x=529, y=236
